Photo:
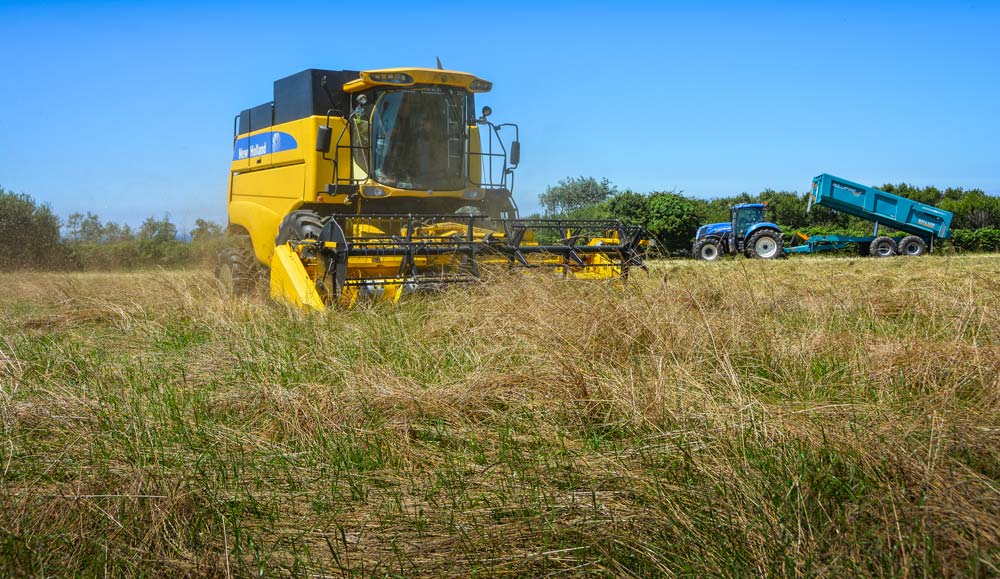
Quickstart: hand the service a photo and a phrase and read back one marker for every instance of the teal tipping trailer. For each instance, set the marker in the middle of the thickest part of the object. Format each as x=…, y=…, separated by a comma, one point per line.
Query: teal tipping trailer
x=922, y=223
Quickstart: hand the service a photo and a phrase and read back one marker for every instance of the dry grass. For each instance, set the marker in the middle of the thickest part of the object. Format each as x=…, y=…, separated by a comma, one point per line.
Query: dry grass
x=810, y=417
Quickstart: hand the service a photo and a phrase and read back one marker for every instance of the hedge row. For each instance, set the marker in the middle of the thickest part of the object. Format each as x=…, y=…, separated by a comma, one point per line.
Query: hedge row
x=986, y=239
x=141, y=254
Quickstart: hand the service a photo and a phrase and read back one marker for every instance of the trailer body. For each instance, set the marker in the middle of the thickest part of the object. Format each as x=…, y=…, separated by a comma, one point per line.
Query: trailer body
x=922, y=222
x=880, y=207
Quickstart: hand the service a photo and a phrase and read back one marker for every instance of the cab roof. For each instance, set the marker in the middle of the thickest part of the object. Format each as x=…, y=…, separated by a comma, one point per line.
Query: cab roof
x=412, y=76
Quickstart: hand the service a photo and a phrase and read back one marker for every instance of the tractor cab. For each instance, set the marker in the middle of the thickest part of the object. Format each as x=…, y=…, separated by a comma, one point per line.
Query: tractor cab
x=744, y=216
x=746, y=232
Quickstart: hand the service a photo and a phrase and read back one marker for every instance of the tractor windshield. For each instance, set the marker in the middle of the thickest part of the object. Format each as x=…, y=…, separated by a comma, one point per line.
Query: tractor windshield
x=747, y=216
x=419, y=139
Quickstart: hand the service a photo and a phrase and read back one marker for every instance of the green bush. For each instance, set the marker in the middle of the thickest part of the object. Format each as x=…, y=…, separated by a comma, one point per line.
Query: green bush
x=29, y=233
x=987, y=239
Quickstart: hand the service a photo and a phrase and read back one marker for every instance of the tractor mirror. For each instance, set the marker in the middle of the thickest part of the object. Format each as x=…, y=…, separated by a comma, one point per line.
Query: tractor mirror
x=323, y=138
x=515, y=152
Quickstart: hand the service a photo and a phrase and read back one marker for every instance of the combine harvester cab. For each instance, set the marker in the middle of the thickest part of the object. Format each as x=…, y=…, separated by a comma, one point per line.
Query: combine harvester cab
x=375, y=183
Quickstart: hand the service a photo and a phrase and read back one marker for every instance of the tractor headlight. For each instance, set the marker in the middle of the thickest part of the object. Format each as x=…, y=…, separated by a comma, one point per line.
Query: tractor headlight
x=370, y=191
x=391, y=77
x=480, y=85
x=474, y=194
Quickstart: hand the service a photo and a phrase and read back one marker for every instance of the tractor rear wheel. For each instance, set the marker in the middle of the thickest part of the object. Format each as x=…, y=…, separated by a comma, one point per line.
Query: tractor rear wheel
x=765, y=244
x=912, y=245
x=707, y=250
x=237, y=270
x=882, y=247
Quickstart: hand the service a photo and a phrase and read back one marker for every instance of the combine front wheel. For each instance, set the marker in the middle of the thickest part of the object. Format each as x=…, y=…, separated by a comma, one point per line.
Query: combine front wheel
x=299, y=226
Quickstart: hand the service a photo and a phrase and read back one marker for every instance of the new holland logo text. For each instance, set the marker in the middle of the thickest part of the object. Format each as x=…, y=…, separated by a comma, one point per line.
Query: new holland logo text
x=259, y=145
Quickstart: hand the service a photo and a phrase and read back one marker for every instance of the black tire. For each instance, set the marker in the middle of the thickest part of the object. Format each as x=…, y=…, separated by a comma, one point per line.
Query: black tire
x=765, y=244
x=882, y=246
x=707, y=250
x=237, y=270
x=912, y=246
x=299, y=226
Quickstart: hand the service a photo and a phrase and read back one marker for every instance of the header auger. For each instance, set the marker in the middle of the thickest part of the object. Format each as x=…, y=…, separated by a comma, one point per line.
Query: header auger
x=397, y=195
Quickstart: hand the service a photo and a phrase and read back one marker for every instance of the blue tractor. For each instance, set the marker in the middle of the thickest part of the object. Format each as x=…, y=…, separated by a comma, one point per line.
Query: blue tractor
x=746, y=232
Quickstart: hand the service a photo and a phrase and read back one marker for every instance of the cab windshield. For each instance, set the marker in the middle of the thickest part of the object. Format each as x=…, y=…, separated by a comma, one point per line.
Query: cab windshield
x=419, y=139
x=747, y=216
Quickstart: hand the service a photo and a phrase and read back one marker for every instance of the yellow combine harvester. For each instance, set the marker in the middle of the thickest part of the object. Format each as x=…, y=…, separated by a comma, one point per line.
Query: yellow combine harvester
x=374, y=183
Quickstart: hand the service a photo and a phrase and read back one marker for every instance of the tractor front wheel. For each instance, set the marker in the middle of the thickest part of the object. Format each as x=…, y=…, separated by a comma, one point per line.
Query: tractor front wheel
x=765, y=244
x=707, y=250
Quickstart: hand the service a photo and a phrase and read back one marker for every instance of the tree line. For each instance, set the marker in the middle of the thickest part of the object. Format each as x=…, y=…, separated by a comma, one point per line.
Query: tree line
x=672, y=218
x=31, y=235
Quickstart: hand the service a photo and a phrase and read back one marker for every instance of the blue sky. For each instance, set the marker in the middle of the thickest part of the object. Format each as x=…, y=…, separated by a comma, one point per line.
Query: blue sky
x=125, y=109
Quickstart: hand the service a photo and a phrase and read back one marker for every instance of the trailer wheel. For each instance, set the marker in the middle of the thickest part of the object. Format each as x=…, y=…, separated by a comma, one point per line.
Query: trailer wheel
x=707, y=250
x=912, y=245
x=882, y=247
x=765, y=244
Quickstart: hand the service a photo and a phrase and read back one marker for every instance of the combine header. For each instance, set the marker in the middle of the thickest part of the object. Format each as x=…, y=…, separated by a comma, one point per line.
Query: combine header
x=397, y=194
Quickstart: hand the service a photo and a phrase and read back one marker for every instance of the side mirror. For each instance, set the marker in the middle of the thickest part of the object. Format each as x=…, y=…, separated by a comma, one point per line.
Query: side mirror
x=487, y=111
x=515, y=152
x=323, y=138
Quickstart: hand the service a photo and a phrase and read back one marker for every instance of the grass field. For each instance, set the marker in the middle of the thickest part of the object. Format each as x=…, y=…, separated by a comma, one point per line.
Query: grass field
x=831, y=416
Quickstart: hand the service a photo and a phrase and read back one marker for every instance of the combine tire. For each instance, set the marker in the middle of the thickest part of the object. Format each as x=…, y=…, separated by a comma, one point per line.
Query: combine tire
x=765, y=244
x=237, y=270
x=882, y=247
x=912, y=245
x=707, y=250
x=299, y=226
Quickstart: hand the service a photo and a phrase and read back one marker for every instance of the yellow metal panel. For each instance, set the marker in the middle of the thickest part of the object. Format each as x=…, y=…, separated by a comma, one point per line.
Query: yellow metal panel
x=419, y=75
x=260, y=216
x=290, y=281
x=286, y=182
